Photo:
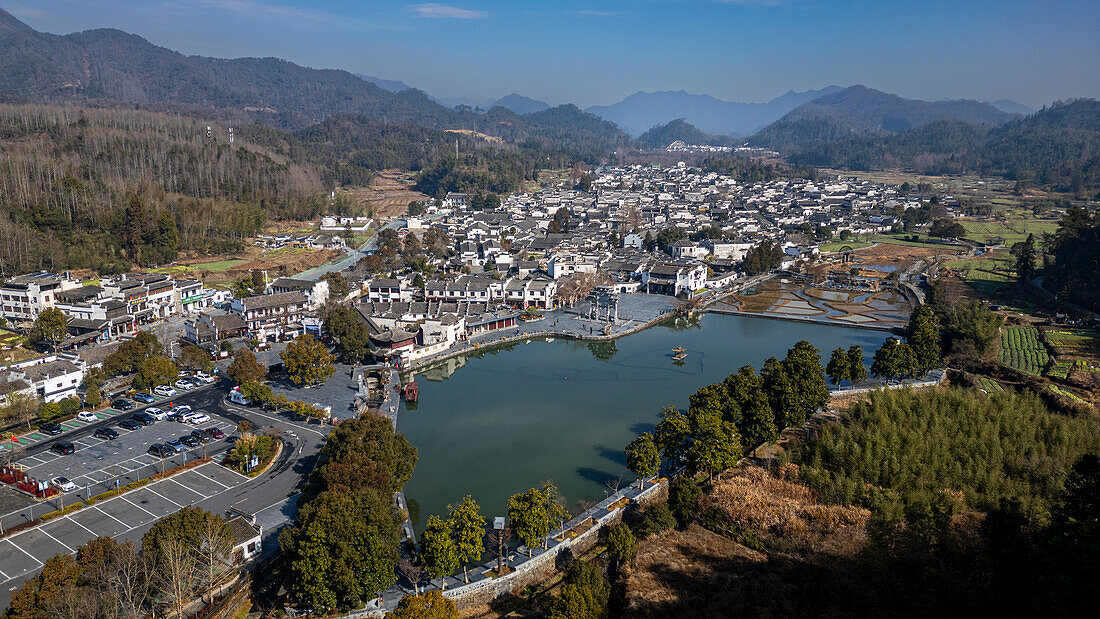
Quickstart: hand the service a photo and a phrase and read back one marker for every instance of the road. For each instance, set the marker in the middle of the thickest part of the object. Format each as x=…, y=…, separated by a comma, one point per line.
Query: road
x=353, y=258
x=272, y=496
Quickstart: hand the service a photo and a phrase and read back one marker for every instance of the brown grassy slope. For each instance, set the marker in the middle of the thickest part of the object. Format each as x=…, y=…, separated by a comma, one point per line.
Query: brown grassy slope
x=699, y=573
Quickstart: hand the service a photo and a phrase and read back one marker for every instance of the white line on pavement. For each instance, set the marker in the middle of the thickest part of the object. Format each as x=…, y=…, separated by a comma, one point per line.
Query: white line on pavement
x=164, y=497
x=23, y=551
x=104, y=512
x=47, y=534
x=139, y=507
x=211, y=479
x=187, y=488
x=73, y=520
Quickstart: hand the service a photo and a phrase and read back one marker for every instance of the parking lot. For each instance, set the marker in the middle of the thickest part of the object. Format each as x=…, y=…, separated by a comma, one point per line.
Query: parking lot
x=123, y=517
x=97, y=463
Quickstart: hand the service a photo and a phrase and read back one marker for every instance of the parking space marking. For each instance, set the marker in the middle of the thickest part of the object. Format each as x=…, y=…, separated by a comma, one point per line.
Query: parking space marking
x=47, y=534
x=166, y=498
x=187, y=488
x=5, y=575
x=196, y=471
x=33, y=558
x=138, y=506
x=73, y=520
x=104, y=512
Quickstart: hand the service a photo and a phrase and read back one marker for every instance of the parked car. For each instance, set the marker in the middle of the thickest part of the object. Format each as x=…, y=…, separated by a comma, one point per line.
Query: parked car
x=105, y=433
x=177, y=412
x=122, y=404
x=63, y=484
x=182, y=385
x=144, y=419
x=197, y=418
x=189, y=440
x=87, y=416
x=144, y=398
x=201, y=435
x=215, y=433
x=205, y=378
x=175, y=444
x=129, y=424
x=165, y=391
x=156, y=413
x=161, y=451
x=63, y=447
x=52, y=429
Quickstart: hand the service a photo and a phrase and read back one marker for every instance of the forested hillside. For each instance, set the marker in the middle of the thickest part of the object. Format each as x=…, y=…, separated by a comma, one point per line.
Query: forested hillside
x=107, y=66
x=662, y=135
x=67, y=176
x=1057, y=146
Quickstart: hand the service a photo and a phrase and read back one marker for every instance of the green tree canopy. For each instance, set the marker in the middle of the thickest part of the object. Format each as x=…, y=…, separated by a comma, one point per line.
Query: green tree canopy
x=642, y=457
x=528, y=517
x=51, y=326
x=437, y=549
x=840, y=366
x=245, y=368
x=468, y=530
x=307, y=361
x=195, y=358
x=155, y=371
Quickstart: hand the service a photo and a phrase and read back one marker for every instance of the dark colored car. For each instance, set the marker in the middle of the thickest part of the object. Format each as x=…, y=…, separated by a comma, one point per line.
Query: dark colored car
x=63, y=447
x=144, y=398
x=144, y=419
x=161, y=451
x=215, y=433
x=105, y=433
x=189, y=440
x=52, y=429
x=129, y=424
x=122, y=404
x=201, y=435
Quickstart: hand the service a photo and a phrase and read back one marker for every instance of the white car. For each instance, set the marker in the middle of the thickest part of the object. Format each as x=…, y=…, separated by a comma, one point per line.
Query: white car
x=63, y=484
x=87, y=416
x=204, y=378
x=165, y=391
x=197, y=418
x=182, y=385
x=156, y=413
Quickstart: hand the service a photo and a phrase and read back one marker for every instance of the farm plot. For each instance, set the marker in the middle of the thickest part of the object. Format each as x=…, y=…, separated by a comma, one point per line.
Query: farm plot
x=1022, y=350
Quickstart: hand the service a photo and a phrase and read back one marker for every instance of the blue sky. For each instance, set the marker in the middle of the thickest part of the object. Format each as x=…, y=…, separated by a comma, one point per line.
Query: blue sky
x=597, y=52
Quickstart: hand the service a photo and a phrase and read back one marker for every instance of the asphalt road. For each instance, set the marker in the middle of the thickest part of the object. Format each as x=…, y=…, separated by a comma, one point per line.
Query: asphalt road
x=272, y=495
x=352, y=259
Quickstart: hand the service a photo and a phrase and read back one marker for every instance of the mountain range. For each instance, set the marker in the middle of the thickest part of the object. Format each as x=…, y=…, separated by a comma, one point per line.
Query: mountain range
x=643, y=110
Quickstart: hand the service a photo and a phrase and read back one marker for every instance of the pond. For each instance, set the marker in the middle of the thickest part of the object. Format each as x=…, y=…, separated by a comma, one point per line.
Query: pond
x=507, y=420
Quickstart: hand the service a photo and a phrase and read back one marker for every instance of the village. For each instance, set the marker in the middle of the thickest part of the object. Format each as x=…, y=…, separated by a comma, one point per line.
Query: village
x=427, y=283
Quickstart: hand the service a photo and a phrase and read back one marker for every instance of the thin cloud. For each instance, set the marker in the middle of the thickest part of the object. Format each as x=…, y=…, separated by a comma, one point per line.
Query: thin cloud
x=433, y=10
x=24, y=11
x=254, y=9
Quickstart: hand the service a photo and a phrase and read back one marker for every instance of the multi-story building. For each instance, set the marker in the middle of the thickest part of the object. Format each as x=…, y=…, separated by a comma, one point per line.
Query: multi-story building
x=674, y=279
x=272, y=316
x=53, y=378
x=148, y=297
x=384, y=289
x=192, y=297
x=316, y=292
x=24, y=297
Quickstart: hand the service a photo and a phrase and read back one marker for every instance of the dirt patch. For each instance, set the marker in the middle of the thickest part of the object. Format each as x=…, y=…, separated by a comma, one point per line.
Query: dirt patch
x=388, y=195
x=901, y=256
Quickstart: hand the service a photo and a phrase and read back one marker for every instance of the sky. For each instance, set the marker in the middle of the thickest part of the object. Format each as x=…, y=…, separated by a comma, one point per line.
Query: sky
x=597, y=52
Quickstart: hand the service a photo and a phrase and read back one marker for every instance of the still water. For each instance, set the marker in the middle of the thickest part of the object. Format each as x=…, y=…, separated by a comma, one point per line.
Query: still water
x=564, y=410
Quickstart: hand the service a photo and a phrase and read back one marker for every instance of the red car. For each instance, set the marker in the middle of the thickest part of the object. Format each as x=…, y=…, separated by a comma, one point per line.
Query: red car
x=215, y=434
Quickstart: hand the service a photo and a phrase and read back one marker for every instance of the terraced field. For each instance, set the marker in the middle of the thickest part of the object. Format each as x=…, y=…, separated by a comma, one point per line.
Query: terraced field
x=1012, y=230
x=1022, y=350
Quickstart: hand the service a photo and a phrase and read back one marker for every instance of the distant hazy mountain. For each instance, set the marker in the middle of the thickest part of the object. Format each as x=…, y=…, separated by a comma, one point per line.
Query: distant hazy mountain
x=679, y=130
x=1010, y=106
x=520, y=104
x=110, y=66
x=861, y=111
x=390, y=85
x=452, y=102
x=643, y=110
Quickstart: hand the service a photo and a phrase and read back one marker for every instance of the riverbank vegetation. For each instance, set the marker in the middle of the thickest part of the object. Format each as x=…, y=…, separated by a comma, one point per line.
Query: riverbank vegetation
x=342, y=549
x=920, y=504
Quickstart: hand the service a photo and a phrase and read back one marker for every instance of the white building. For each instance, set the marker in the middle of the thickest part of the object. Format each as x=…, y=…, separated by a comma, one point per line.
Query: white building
x=22, y=298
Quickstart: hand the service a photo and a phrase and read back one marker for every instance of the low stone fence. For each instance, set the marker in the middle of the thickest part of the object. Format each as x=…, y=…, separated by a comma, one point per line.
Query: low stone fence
x=579, y=535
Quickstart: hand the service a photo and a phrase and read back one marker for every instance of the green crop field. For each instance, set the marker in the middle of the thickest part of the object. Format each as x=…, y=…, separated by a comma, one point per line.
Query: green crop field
x=989, y=385
x=1021, y=349
x=1012, y=230
x=837, y=246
